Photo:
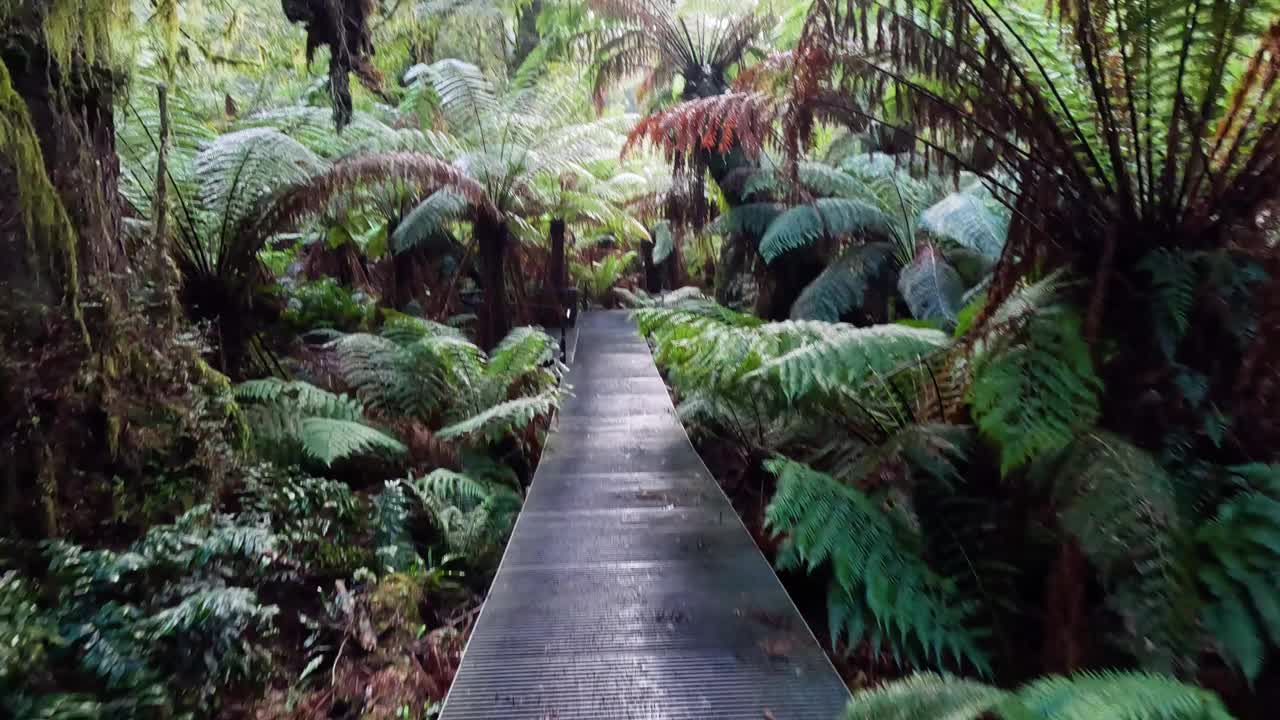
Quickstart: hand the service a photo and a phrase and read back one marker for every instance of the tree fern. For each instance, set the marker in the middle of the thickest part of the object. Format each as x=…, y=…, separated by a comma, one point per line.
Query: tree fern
x=1137, y=696
x=825, y=217
x=882, y=590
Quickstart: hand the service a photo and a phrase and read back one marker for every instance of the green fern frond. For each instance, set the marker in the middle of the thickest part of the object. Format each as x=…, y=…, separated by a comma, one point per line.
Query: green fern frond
x=329, y=440
x=928, y=696
x=886, y=591
x=1142, y=696
x=1033, y=392
x=751, y=219
x=851, y=356
x=1134, y=696
x=1121, y=507
x=1173, y=276
x=841, y=286
x=971, y=219
x=452, y=487
x=321, y=425
x=503, y=418
x=931, y=287
x=826, y=217
x=663, y=241
x=1239, y=551
x=429, y=220
x=239, y=170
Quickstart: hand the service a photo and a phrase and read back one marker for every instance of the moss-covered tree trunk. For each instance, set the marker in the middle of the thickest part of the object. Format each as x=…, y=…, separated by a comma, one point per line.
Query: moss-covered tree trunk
x=60, y=219
x=70, y=109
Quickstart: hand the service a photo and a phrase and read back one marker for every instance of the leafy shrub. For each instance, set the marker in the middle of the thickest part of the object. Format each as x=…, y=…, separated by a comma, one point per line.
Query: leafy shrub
x=142, y=632
x=324, y=304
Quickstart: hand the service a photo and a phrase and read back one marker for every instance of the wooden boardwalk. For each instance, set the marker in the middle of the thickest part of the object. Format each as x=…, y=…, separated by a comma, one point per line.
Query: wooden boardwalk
x=630, y=589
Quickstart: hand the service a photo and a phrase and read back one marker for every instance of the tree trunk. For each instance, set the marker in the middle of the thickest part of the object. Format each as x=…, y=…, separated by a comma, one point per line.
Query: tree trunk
x=527, y=35
x=652, y=277
x=495, y=318
x=71, y=112
x=60, y=221
x=557, y=279
x=1065, y=631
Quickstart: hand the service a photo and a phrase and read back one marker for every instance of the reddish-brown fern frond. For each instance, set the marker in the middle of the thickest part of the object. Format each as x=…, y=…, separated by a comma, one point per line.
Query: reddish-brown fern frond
x=714, y=124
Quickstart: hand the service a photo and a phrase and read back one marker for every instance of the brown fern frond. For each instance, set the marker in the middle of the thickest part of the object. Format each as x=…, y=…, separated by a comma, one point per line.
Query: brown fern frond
x=776, y=68
x=418, y=170
x=625, y=53
x=644, y=11
x=714, y=124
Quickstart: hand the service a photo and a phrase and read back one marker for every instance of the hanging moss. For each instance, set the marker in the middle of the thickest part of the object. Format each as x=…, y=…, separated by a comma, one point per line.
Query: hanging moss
x=81, y=28
x=49, y=232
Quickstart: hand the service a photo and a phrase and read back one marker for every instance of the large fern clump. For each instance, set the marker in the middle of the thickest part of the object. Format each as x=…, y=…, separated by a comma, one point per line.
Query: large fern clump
x=429, y=372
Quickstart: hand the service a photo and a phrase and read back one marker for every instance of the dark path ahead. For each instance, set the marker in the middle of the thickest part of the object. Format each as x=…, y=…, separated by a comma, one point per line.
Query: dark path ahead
x=630, y=589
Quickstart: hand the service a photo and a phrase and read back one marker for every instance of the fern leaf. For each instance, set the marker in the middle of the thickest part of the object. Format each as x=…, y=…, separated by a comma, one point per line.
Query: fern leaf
x=329, y=440
x=841, y=286
x=971, y=220
x=928, y=696
x=931, y=287
x=1134, y=696
x=503, y=418
x=826, y=217
x=824, y=521
x=751, y=219
x=429, y=220
x=663, y=241
x=1032, y=397
x=851, y=356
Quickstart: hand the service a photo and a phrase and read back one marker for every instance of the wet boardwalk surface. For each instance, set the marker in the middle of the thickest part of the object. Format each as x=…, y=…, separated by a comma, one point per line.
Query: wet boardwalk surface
x=630, y=589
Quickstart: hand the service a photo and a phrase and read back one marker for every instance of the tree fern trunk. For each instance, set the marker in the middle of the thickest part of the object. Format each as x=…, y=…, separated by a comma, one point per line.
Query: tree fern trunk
x=1065, y=632
x=557, y=280
x=493, y=237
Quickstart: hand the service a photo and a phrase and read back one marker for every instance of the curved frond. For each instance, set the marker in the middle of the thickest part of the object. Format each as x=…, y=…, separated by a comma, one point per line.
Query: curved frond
x=841, y=286
x=500, y=420
x=852, y=356
x=424, y=172
x=882, y=586
x=825, y=217
x=429, y=220
x=932, y=288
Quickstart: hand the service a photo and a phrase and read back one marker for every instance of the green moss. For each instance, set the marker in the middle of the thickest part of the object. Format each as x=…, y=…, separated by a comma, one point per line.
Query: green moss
x=82, y=27
x=393, y=603
x=43, y=214
x=219, y=386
